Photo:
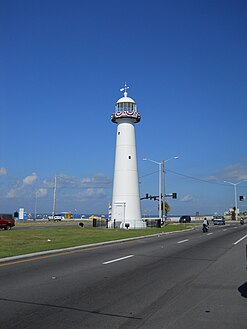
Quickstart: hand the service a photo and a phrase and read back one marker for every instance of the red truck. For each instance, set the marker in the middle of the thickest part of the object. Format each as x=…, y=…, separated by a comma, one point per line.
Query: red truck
x=6, y=221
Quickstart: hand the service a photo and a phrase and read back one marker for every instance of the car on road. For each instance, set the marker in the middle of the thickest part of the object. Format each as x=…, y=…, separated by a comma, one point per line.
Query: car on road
x=185, y=219
x=7, y=221
x=219, y=220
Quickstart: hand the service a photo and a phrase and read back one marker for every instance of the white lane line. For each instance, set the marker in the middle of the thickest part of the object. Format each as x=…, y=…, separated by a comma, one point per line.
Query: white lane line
x=183, y=241
x=209, y=233
x=240, y=239
x=117, y=259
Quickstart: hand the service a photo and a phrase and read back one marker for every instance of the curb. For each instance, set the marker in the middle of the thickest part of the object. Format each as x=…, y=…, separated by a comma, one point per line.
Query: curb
x=57, y=251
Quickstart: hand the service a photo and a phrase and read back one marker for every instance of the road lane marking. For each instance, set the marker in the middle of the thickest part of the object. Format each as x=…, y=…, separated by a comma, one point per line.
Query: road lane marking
x=209, y=233
x=240, y=240
x=117, y=259
x=183, y=241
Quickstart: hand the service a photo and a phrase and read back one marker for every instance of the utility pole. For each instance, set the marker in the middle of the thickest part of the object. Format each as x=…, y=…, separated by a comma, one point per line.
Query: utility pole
x=161, y=183
x=54, y=197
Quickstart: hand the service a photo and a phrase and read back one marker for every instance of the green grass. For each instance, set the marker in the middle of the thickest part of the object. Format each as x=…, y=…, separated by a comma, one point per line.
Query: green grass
x=19, y=242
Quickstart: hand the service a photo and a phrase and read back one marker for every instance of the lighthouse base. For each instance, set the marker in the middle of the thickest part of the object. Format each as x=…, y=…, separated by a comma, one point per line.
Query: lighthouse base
x=131, y=224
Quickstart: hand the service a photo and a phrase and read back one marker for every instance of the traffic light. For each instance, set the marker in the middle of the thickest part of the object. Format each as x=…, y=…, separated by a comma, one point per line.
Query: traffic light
x=174, y=195
x=241, y=197
x=146, y=195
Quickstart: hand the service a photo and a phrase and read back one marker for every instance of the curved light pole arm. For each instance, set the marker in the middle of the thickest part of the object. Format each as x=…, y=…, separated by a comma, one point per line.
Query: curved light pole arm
x=235, y=195
x=161, y=183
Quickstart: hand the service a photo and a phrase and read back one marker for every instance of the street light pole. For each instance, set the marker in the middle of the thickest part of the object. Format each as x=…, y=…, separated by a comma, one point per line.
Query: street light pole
x=162, y=188
x=235, y=196
x=35, y=208
x=161, y=182
x=163, y=170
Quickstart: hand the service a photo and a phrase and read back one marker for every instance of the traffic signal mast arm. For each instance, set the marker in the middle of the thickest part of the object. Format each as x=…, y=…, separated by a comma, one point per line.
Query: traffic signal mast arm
x=156, y=197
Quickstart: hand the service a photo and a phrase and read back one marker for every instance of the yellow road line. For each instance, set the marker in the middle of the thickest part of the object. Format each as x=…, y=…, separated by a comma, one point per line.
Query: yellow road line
x=26, y=260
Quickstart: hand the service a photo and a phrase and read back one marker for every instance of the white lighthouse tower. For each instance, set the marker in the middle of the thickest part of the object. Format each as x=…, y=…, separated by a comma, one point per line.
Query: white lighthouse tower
x=126, y=208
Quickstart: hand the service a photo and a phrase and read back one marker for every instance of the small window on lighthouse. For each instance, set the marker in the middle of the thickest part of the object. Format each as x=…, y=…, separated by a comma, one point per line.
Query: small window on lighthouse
x=118, y=133
x=129, y=156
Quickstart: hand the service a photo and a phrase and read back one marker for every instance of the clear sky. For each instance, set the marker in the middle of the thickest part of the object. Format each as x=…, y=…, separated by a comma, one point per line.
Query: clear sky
x=62, y=64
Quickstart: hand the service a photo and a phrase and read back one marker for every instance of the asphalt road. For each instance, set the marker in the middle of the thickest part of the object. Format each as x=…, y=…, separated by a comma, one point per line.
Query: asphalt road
x=189, y=280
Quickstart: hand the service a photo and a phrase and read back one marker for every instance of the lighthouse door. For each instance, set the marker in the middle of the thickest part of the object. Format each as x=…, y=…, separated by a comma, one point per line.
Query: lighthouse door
x=119, y=213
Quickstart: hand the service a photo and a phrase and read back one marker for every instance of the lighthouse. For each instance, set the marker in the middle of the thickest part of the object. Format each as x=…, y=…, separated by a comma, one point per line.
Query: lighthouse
x=126, y=208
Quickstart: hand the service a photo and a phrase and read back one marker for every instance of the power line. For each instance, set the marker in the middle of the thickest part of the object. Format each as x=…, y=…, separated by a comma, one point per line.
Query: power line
x=195, y=178
x=152, y=173
x=183, y=175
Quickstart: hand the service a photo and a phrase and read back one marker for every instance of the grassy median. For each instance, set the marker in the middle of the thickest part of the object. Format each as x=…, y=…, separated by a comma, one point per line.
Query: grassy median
x=19, y=242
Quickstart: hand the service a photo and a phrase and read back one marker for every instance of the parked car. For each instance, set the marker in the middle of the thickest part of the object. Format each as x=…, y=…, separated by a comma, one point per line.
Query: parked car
x=185, y=219
x=7, y=221
x=55, y=218
x=219, y=220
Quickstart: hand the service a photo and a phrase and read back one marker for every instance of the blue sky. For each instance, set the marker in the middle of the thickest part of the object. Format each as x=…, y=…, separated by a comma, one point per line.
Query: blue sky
x=62, y=65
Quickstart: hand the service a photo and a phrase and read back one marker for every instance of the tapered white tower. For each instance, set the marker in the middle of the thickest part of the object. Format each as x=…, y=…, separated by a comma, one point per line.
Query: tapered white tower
x=126, y=208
